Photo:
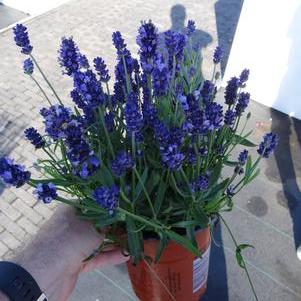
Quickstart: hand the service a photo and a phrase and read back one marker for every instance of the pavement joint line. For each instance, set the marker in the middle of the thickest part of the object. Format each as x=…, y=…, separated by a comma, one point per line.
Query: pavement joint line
x=268, y=275
x=269, y=225
x=114, y=283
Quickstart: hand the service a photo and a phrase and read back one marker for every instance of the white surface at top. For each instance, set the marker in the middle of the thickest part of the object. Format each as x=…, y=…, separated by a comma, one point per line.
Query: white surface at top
x=268, y=42
x=34, y=7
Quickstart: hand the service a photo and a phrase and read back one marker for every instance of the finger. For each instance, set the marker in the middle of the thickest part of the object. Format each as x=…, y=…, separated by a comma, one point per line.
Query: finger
x=107, y=258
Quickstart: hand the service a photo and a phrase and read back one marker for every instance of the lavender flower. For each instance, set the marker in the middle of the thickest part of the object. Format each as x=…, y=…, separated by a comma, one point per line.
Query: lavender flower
x=231, y=91
x=118, y=96
x=218, y=55
x=131, y=64
x=109, y=121
x=78, y=152
x=160, y=76
x=34, y=137
x=161, y=132
x=229, y=117
x=182, y=99
x=207, y=91
x=13, y=174
x=78, y=149
x=70, y=58
x=191, y=156
x=149, y=113
x=267, y=146
x=88, y=88
x=190, y=27
x=83, y=61
x=175, y=43
x=54, y=119
x=118, y=42
x=133, y=117
x=200, y=184
x=77, y=99
x=28, y=66
x=243, y=156
x=194, y=115
x=172, y=157
x=147, y=39
x=122, y=163
x=21, y=38
x=107, y=197
x=88, y=167
x=242, y=103
x=244, y=76
x=214, y=116
x=45, y=192
x=230, y=191
x=101, y=69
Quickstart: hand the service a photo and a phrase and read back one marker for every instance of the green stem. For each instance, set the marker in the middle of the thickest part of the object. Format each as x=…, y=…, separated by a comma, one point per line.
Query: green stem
x=109, y=95
x=127, y=80
x=187, y=183
x=63, y=150
x=141, y=219
x=209, y=150
x=45, y=78
x=177, y=188
x=146, y=193
x=44, y=93
x=244, y=263
x=251, y=171
x=106, y=132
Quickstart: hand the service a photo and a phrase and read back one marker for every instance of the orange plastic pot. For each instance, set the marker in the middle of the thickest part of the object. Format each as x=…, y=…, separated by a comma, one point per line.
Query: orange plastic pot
x=178, y=275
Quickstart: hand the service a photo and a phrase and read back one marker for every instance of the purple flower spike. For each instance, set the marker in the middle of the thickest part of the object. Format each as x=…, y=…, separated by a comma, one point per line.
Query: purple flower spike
x=45, y=192
x=218, y=55
x=21, y=38
x=107, y=197
x=267, y=146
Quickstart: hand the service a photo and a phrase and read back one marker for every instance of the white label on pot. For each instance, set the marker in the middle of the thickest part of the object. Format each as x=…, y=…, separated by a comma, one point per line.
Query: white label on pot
x=200, y=271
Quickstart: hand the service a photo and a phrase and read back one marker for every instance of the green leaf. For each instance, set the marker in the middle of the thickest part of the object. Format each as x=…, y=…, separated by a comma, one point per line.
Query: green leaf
x=106, y=220
x=161, y=246
x=190, y=230
x=254, y=176
x=244, y=141
x=184, y=224
x=139, y=186
x=215, y=190
x=248, y=170
x=216, y=173
x=200, y=216
x=239, y=257
x=244, y=246
x=153, y=181
x=231, y=163
x=160, y=196
x=134, y=240
x=105, y=176
x=183, y=241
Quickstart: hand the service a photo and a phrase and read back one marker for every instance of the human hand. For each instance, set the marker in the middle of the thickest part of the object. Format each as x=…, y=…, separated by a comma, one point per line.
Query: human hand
x=55, y=256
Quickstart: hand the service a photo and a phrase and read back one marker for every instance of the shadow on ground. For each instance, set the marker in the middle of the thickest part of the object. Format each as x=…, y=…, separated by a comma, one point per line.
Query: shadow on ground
x=227, y=14
x=9, y=133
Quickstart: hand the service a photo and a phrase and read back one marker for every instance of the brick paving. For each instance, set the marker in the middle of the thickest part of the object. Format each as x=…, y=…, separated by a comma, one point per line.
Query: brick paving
x=91, y=23
x=261, y=216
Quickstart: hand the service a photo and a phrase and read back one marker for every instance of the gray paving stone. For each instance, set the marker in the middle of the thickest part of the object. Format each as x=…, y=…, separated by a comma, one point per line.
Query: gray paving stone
x=263, y=216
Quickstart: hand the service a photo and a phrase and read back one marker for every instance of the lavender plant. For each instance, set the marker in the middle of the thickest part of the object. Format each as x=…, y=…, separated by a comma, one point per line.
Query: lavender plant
x=147, y=156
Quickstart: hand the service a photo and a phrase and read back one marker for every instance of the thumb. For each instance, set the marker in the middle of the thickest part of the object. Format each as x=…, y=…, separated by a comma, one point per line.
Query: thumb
x=111, y=257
